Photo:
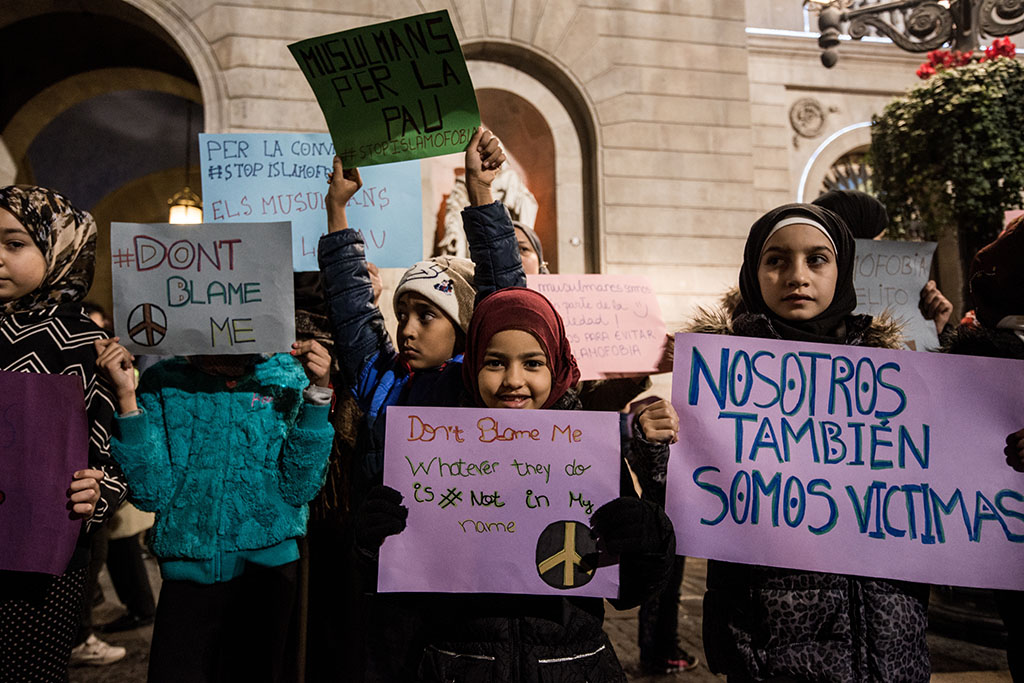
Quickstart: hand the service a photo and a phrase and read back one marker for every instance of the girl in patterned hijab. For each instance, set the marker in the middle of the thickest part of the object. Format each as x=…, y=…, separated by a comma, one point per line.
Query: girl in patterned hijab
x=65, y=238
x=47, y=252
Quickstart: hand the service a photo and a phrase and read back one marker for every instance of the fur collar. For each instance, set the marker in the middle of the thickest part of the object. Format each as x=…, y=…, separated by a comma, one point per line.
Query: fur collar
x=880, y=331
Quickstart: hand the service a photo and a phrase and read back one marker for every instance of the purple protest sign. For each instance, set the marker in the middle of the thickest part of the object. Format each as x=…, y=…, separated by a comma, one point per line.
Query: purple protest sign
x=499, y=500
x=44, y=439
x=847, y=459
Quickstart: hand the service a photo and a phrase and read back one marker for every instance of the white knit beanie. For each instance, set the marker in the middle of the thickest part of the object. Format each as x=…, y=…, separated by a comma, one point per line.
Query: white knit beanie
x=445, y=281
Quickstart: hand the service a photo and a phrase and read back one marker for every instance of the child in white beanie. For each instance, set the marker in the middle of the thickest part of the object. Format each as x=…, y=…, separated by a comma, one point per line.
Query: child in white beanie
x=433, y=302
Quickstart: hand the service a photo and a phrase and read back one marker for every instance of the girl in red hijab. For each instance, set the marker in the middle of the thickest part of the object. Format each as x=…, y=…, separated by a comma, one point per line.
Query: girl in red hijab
x=517, y=356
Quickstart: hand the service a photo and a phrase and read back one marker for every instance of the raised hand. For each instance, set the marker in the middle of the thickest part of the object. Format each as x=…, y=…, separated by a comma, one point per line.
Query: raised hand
x=343, y=183
x=484, y=157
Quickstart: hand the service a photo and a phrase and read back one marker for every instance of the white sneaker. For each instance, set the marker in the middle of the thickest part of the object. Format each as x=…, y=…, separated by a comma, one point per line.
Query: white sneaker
x=95, y=652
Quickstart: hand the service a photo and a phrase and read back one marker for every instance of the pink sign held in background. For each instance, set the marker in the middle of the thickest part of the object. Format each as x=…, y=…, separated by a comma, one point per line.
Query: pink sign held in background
x=44, y=439
x=499, y=500
x=613, y=322
x=848, y=460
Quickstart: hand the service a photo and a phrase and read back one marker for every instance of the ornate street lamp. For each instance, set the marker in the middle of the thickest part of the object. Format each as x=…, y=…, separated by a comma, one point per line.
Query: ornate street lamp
x=916, y=25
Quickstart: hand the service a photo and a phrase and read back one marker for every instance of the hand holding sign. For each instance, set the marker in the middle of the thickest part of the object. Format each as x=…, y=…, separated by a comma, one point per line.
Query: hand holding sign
x=934, y=306
x=660, y=422
x=381, y=515
x=631, y=525
x=315, y=359
x=1015, y=450
x=115, y=362
x=84, y=493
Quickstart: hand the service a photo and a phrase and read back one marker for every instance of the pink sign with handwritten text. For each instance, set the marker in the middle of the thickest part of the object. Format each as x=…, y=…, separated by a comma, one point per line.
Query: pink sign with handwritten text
x=499, y=500
x=613, y=321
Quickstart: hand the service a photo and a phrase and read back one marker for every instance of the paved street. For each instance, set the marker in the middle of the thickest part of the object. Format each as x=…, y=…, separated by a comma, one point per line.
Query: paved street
x=952, y=660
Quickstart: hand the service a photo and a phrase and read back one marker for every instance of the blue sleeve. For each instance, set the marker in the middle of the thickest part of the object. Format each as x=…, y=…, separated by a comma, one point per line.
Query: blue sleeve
x=493, y=248
x=360, y=336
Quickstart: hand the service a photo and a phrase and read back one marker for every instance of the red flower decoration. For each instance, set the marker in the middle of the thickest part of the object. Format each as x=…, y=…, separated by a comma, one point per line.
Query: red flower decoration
x=1000, y=47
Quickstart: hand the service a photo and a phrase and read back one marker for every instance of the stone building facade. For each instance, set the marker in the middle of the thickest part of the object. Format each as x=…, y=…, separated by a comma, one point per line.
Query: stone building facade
x=669, y=125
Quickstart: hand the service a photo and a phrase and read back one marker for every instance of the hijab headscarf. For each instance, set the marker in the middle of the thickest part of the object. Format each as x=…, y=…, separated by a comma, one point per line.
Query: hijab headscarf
x=517, y=308
x=828, y=324
x=65, y=235
x=534, y=240
x=864, y=215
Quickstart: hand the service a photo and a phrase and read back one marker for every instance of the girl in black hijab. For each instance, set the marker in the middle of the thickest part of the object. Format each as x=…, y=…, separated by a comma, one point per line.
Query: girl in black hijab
x=776, y=624
x=813, y=303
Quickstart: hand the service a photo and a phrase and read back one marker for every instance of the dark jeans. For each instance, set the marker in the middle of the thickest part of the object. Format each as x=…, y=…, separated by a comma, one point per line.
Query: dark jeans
x=335, y=633
x=237, y=630
x=659, y=617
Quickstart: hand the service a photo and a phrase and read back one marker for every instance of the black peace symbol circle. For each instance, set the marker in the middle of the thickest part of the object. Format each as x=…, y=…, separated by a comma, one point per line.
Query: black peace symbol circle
x=566, y=554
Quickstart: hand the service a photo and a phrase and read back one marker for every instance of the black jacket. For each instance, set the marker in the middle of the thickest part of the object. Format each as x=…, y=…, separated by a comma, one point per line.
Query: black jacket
x=519, y=638
x=766, y=622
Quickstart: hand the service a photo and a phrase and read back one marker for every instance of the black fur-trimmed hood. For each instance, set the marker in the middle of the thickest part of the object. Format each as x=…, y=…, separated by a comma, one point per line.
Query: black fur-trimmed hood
x=881, y=331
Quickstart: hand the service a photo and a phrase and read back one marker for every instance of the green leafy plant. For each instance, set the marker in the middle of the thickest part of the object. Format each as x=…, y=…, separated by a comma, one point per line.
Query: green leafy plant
x=950, y=153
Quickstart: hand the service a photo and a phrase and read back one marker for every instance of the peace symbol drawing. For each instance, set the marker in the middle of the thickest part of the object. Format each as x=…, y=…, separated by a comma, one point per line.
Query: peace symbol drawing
x=566, y=554
x=147, y=325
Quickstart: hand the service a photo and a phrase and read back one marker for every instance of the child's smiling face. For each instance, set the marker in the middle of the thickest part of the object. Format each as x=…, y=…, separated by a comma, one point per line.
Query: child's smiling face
x=22, y=264
x=797, y=272
x=515, y=373
x=426, y=336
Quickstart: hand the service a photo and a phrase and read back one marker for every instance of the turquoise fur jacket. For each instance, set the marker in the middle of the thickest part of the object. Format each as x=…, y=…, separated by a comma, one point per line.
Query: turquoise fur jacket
x=227, y=465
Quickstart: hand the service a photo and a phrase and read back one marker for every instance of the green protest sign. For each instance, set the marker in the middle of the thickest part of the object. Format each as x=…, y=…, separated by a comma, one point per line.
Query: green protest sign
x=393, y=91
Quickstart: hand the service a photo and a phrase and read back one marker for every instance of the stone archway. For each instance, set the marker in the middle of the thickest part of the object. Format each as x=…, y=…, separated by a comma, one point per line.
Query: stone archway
x=100, y=118
x=526, y=74
x=190, y=40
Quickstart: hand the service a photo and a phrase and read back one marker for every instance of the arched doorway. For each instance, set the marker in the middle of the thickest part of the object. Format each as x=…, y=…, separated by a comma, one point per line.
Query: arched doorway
x=98, y=104
x=550, y=131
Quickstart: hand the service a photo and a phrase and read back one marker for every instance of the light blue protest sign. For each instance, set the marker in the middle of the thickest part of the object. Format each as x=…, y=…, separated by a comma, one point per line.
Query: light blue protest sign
x=202, y=289
x=888, y=277
x=257, y=177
